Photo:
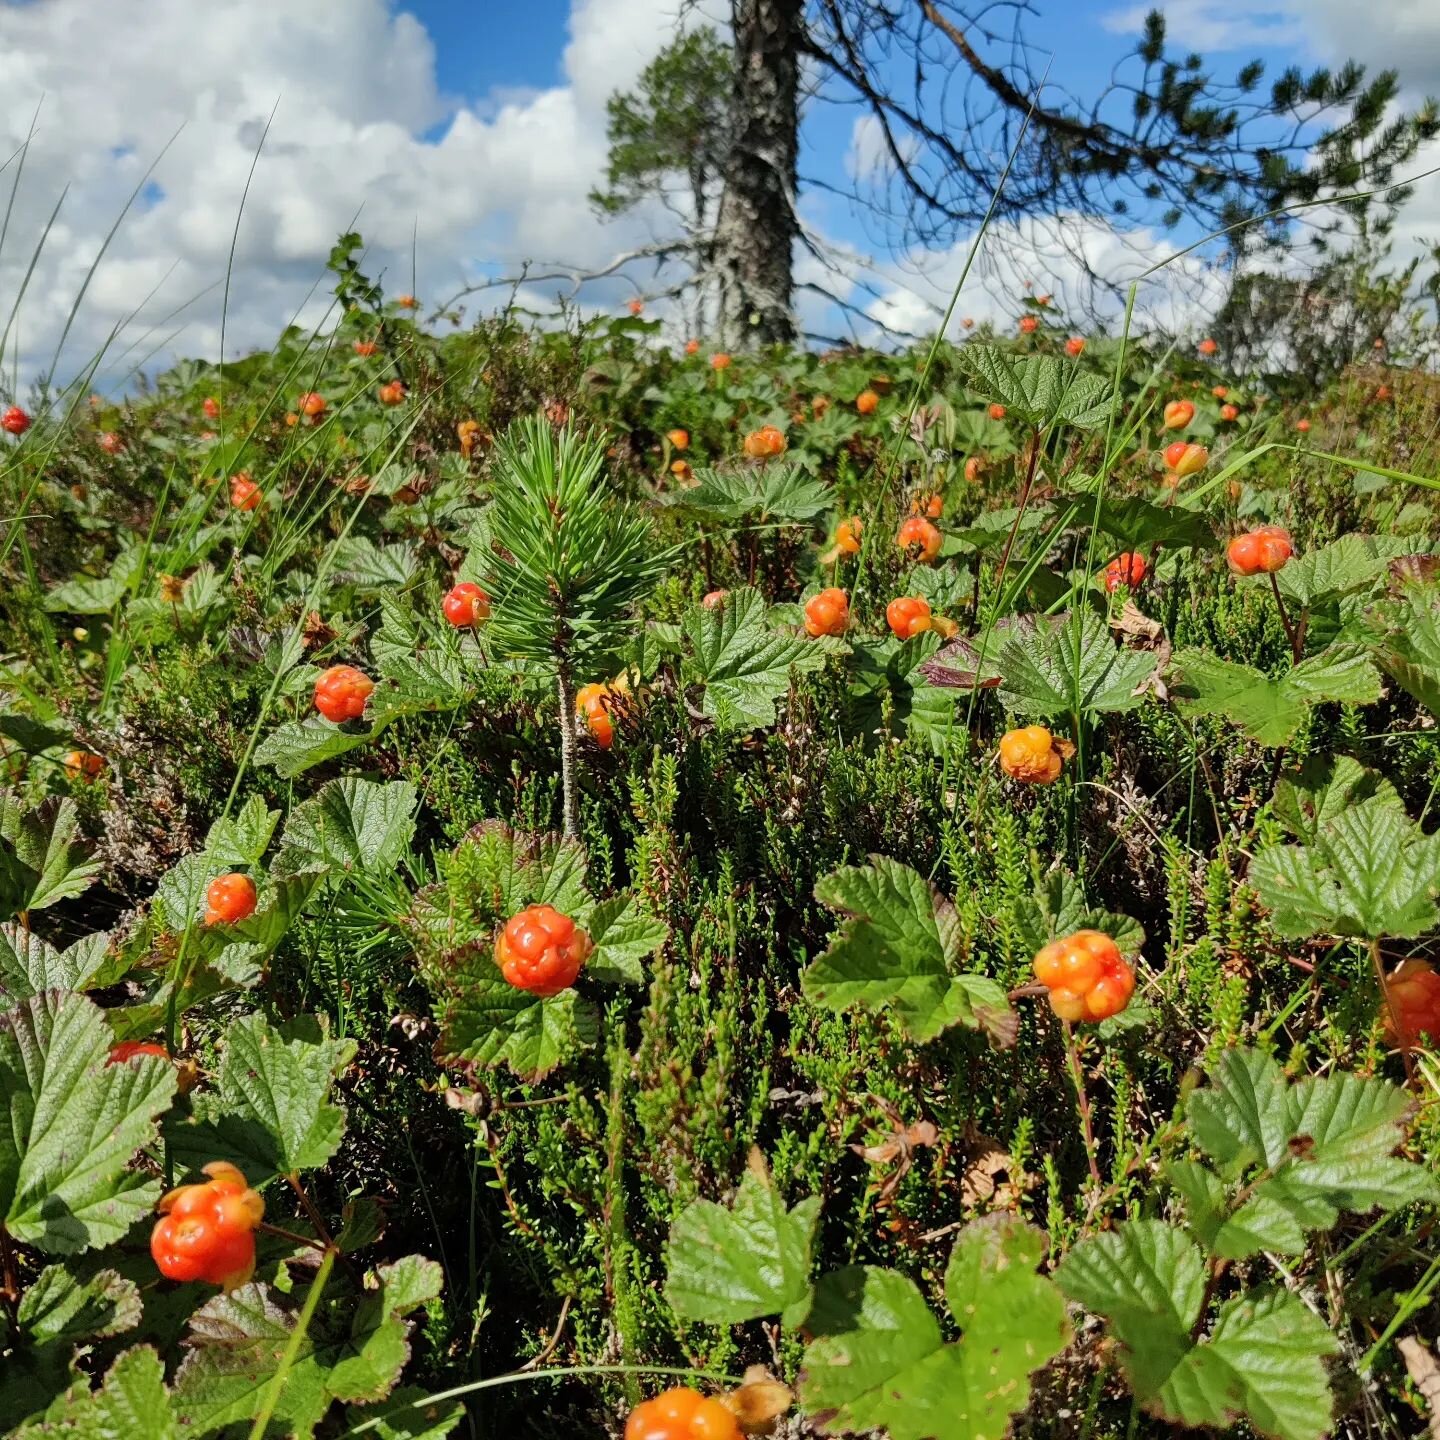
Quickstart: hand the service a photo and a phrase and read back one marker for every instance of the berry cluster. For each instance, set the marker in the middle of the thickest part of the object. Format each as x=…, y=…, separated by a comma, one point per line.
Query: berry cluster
x=827, y=613
x=1033, y=755
x=1086, y=975
x=542, y=951
x=682, y=1414
x=1260, y=552
x=207, y=1231
x=341, y=693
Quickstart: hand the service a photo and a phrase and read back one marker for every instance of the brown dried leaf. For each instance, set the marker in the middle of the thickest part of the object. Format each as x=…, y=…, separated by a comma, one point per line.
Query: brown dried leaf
x=759, y=1401
x=1425, y=1372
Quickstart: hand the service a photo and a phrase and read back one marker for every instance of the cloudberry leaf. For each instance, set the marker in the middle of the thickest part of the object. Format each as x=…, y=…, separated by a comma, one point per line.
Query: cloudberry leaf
x=351, y=825
x=487, y=1021
x=1325, y=787
x=624, y=936
x=298, y=745
x=409, y=1414
x=71, y=1125
x=1069, y=665
x=881, y=1360
x=379, y=569
x=1058, y=907
x=30, y=964
x=241, y=839
x=61, y=1308
x=898, y=949
x=889, y=677
x=752, y=1259
x=1038, y=390
x=1134, y=523
x=1369, y=872
x=131, y=1400
x=42, y=840
x=744, y=664
x=1270, y=710
x=766, y=492
x=1261, y=1360
x=423, y=663
x=1349, y=564
x=353, y=1351
x=273, y=1114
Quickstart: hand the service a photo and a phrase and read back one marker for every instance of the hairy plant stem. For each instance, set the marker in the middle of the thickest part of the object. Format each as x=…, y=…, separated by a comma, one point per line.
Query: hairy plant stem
x=1082, y=1103
x=570, y=801
x=1294, y=636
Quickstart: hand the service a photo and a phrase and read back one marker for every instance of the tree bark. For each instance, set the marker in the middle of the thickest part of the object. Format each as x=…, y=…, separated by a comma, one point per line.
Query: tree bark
x=756, y=226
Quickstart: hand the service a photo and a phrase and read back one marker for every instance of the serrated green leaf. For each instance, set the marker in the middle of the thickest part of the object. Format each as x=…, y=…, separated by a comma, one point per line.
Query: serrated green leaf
x=765, y=492
x=58, y=1308
x=241, y=839
x=1370, y=872
x=897, y=950
x=1269, y=710
x=488, y=1022
x=351, y=825
x=297, y=745
x=881, y=1361
x=1323, y=790
x=30, y=964
x=624, y=936
x=72, y=1124
x=1136, y=524
x=1058, y=907
x=1353, y=562
x=43, y=841
x=1039, y=390
x=131, y=1401
x=423, y=665
x=1061, y=667
x=410, y=1414
x=890, y=675
x=726, y=1266
x=744, y=665
x=273, y=1114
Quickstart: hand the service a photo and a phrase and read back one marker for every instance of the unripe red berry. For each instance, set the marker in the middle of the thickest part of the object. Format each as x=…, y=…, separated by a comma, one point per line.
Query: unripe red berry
x=465, y=605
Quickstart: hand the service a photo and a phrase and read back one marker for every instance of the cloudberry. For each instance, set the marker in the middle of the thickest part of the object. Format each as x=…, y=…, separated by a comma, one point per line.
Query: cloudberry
x=245, y=494
x=1086, y=975
x=1302, y=426
x=997, y=412
x=365, y=348
x=974, y=466
x=466, y=604
x=1032, y=754
x=341, y=693
x=392, y=392
x=1028, y=324
x=1127, y=569
x=1220, y=392
x=764, y=443
x=211, y=407
x=679, y=439
x=592, y=705
x=133, y=1049
x=229, y=898
x=312, y=404
x=468, y=432
x=682, y=1414
x=15, y=420
x=1207, y=346
x=692, y=347
x=406, y=302
x=1075, y=346
x=714, y=599
x=919, y=539
x=83, y=765
x=207, y=1231
x=1414, y=992
x=110, y=443
x=1186, y=459
x=847, y=536
x=827, y=613
x=541, y=950
x=682, y=470
x=866, y=402
x=1178, y=414
x=1260, y=552
x=907, y=615
x=720, y=361
x=1229, y=412
x=930, y=506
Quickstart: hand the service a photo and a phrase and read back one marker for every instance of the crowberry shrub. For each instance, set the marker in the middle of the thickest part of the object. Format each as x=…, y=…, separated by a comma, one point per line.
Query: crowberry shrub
x=907, y=615
x=541, y=951
x=827, y=613
x=1033, y=755
x=1260, y=552
x=466, y=605
x=207, y=1232
x=341, y=693
x=919, y=539
x=1086, y=975
x=682, y=1414
x=229, y=898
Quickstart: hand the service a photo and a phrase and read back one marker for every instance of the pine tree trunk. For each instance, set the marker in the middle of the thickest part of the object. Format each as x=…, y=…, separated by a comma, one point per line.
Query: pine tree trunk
x=756, y=228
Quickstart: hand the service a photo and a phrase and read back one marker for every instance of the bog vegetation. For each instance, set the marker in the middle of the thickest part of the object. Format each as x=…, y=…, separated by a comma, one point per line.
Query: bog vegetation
x=557, y=883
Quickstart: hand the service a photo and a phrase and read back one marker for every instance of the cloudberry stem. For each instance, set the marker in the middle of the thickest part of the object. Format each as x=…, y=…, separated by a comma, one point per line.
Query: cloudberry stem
x=1291, y=633
x=292, y=1348
x=1033, y=461
x=308, y=1241
x=1082, y=1102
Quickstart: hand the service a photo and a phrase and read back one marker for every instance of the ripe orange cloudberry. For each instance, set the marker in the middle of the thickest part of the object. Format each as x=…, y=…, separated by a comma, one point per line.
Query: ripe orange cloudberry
x=866, y=402
x=1261, y=551
x=682, y=1414
x=245, y=494
x=714, y=599
x=110, y=443
x=365, y=348
x=1186, y=459
x=720, y=361
x=764, y=443
x=1032, y=754
x=210, y=406
x=466, y=604
x=1302, y=426
x=1220, y=391
x=311, y=404
x=1229, y=412
x=406, y=302
x=682, y=470
x=1075, y=346
x=1178, y=414
x=930, y=506
x=541, y=951
x=1126, y=569
x=468, y=433
x=919, y=539
x=1028, y=324
x=392, y=393
x=341, y=693
x=1086, y=975
x=974, y=468
x=847, y=536
x=827, y=613
x=83, y=765
x=907, y=615
x=207, y=1231
x=692, y=347
x=1414, y=992
x=593, y=706
x=679, y=439
x=229, y=898
x=997, y=412
x=1207, y=346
